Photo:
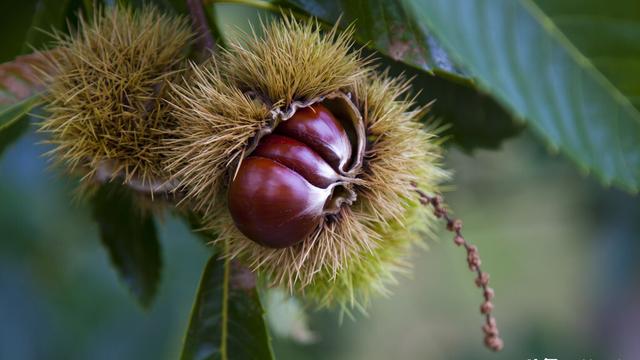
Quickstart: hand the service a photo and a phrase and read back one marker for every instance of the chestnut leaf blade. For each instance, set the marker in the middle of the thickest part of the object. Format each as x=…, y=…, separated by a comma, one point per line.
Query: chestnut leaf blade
x=47, y=16
x=394, y=37
x=14, y=120
x=227, y=319
x=26, y=24
x=129, y=235
x=16, y=18
x=20, y=92
x=544, y=60
x=473, y=119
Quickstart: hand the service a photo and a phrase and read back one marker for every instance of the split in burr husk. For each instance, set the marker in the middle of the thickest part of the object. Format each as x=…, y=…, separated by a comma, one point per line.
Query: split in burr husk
x=230, y=103
x=106, y=107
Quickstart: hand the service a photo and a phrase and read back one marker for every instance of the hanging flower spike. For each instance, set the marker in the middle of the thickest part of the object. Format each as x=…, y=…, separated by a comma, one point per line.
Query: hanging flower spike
x=492, y=335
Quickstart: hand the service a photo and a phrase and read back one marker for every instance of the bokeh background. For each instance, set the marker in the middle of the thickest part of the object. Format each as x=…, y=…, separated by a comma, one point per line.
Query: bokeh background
x=560, y=248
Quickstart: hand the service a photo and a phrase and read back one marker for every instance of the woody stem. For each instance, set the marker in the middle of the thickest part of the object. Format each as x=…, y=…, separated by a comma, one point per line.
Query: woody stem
x=205, y=40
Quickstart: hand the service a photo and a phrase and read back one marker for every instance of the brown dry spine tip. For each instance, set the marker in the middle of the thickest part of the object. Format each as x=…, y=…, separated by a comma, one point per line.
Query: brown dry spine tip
x=492, y=339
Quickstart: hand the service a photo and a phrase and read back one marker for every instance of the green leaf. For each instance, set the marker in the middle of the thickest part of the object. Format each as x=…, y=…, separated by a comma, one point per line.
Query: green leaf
x=11, y=114
x=227, y=318
x=15, y=21
x=573, y=88
x=22, y=24
x=14, y=120
x=607, y=34
x=475, y=119
x=129, y=235
x=48, y=15
x=178, y=6
x=211, y=14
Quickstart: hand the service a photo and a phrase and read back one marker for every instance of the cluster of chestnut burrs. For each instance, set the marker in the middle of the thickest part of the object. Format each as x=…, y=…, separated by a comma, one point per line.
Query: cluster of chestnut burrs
x=298, y=156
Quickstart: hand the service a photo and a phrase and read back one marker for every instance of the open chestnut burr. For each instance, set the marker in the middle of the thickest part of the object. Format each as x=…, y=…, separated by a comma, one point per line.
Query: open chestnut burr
x=268, y=147
x=298, y=173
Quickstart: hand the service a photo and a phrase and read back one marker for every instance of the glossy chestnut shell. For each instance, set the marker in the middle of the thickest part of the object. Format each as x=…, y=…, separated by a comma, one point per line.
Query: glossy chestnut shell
x=283, y=189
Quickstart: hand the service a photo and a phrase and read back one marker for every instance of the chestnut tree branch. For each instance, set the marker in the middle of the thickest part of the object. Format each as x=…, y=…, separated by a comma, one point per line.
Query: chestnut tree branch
x=205, y=40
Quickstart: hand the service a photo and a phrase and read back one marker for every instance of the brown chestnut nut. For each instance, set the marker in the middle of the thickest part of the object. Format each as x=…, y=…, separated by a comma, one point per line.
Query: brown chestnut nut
x=320, y=130
x=278, y=195
x=299, y=158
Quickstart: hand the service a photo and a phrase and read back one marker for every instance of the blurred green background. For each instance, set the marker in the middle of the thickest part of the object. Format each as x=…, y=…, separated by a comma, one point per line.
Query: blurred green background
x=560, y=249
